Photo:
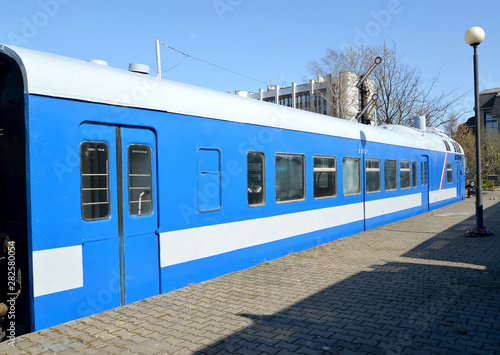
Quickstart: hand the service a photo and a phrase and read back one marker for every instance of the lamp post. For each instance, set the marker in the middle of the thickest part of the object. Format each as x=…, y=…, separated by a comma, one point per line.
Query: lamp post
x=474, y=36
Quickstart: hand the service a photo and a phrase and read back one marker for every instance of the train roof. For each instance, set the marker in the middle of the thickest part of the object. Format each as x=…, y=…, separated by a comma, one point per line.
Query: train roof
x=58, y=76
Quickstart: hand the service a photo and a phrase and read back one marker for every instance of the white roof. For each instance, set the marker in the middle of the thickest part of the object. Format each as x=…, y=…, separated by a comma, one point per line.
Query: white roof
x=57, y=76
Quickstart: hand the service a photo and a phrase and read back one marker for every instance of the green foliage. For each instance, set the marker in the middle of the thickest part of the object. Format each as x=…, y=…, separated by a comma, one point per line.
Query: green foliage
x=490, y=151
x=487, y=184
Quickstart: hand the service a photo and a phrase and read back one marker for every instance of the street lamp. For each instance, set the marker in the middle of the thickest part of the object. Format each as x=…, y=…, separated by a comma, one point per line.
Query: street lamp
x=474, y=36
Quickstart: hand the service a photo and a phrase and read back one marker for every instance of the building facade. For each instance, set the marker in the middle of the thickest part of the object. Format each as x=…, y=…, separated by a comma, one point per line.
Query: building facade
x=489, y=110
x=329, y=95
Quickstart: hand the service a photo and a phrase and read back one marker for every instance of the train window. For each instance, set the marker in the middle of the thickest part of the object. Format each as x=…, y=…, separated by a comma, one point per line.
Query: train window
x=425, y=173
x=325, y=176
x=449, y=172
x=209, y=180
x=414, y=173
x=422, y=173
x=94, y=180
x=256, y=186
x=390, y=175
x=404, y=174
x=351, y=174
x=372, y=175
x=140, y=190
x=290, y=177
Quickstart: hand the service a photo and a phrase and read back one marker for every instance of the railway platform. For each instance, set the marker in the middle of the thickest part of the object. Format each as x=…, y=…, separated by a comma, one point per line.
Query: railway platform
x=415, y=286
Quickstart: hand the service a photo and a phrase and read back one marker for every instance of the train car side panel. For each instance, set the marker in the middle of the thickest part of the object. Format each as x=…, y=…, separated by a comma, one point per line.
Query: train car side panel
x=126, y=187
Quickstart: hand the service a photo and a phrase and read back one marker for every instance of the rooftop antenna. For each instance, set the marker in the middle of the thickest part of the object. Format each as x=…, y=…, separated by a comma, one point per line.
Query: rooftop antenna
x=158, y=60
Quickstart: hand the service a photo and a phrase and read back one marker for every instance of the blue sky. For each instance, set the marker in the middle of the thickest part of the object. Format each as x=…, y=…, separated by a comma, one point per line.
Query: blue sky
x=266, y=40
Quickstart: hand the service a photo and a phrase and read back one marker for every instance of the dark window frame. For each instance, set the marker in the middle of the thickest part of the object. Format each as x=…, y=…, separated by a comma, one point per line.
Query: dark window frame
x=327, y=170
x=421, y=173
x=395, y=174
x=358, y=192
x=251, y=187
x=132, y=176
x=379, y=170
x=414, y=173
x=426, y=181
x=303, y=164
x=449, y=173
x=91, y=188
x=405, y=174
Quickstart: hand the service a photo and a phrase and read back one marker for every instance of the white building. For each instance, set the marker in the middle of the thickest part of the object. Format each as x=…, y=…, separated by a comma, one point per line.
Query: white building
x=329, y=95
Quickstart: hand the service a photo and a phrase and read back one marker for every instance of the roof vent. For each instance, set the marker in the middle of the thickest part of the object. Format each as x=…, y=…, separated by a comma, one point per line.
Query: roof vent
x=138, y=68
x=456, y=147
x=419, y=122
x=447, y=145
x=98, y=61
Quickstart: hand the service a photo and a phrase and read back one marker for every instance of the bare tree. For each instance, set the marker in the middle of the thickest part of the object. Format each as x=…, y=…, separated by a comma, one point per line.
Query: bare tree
x=336, y=68
x=402, y=91
x=451, y=124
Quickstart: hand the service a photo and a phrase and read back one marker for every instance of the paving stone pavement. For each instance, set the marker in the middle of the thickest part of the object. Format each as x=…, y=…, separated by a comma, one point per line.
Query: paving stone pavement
x=411, y=287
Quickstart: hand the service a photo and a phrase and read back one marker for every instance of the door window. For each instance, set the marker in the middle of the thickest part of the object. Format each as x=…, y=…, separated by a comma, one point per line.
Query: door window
x=140, y=194
x=94, y=180
x=449, y=173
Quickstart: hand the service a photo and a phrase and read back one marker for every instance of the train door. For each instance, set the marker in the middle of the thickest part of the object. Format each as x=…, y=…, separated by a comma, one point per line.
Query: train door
x=140, y=255
x=362, y=151
x=460, y=177
x=424, y=181
x=363, y=188
x=119, y=209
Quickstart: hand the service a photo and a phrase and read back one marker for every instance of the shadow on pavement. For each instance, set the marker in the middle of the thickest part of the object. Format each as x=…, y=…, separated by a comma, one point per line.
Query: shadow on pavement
x=397, y=307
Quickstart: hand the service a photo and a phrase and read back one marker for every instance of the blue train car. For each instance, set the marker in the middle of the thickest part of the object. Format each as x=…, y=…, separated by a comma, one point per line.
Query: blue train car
x=117, y=186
